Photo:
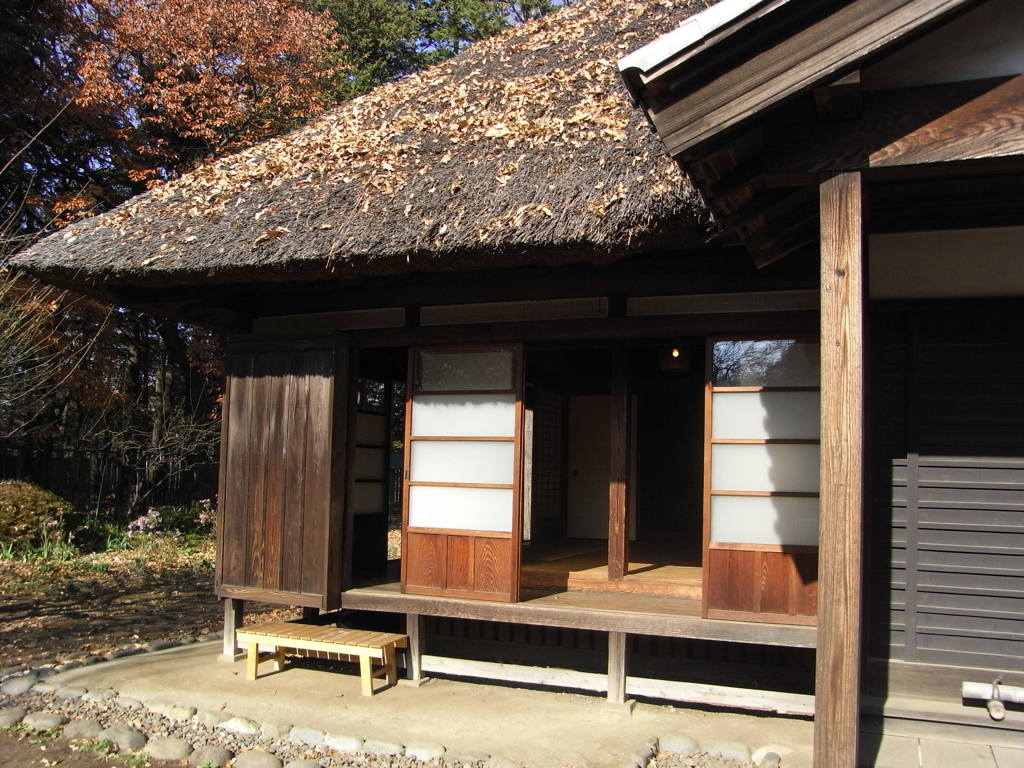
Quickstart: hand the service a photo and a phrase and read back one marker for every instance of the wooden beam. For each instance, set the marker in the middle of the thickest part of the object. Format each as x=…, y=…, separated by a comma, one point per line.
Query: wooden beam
x=673, y=617
x=617, y=667
x=950, y=122
x=820, y=51
x=233, y=614
x=340, y=411
x=837, y=683
x=841, y=100
x=618, y=467
x=697, y=693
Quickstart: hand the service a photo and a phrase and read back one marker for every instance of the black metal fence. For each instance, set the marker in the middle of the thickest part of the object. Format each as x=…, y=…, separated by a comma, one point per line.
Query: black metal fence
x=107, y=479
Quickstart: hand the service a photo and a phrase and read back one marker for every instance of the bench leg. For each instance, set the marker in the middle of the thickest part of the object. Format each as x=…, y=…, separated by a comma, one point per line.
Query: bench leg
x=366, y=675
x=252, y=661
x=279, y=659
x=391, y=665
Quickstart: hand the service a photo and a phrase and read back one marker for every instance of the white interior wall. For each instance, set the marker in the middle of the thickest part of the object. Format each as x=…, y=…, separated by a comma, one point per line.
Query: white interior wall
x=987, y=41
x=947, y=264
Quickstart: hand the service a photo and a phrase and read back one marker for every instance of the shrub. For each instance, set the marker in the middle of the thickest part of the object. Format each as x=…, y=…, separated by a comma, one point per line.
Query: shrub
x=197, y=519
x=31, y=518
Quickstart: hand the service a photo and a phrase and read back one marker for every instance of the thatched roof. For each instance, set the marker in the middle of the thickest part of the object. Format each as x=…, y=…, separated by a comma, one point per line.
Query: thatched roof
x=524, y=149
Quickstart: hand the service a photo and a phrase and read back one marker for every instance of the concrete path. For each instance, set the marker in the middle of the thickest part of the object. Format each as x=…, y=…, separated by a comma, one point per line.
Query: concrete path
x=909, y=752
x=534, y=728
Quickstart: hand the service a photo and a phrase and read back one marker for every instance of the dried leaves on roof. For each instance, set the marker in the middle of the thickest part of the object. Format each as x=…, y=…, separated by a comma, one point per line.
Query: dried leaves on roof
x=524, y=144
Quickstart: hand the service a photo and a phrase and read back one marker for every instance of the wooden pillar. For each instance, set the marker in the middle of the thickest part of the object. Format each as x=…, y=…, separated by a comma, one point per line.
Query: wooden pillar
x=618, y=468
x=414, y=629
x=616, y=667
x=309, y=615
x=233, y=613
x=837, y=684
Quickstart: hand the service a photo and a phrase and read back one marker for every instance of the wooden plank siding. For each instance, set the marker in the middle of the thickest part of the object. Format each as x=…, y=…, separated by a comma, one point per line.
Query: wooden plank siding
x=948, y=495
x=283, y=479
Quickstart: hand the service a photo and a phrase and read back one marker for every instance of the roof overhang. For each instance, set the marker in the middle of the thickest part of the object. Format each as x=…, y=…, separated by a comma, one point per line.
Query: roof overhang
x=746, y=82
x=740, y=58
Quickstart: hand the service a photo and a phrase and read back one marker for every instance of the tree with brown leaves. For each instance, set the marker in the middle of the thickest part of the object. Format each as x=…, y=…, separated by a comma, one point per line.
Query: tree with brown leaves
x=188, y=79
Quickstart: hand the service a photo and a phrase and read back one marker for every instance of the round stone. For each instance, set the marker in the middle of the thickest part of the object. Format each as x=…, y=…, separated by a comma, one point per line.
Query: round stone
x=770, y=760
x=310, y=736
x=216, y=756
x=69, y=692
x=241, y=725
x=44, y=687
x=761, y=753
x=82, y=729
x=171, y=711
x=168, y=748
x=43, y=721
x=732, y=750
x=425, y=751
x=19, y=684
x=100, y=694
x=679, y=743
x=382, y=748
x=275, y=731
x=256, y=760
x=303, y=764
x=125, y=737
x=349, y=745
x=11, y=715
x=211, y=718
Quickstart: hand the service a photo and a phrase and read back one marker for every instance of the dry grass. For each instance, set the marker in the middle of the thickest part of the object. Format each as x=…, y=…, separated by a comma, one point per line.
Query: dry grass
x=93, y=604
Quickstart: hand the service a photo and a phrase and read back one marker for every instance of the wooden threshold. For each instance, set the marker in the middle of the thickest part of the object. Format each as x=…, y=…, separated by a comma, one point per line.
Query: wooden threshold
x=589, y=572
x=602, y=611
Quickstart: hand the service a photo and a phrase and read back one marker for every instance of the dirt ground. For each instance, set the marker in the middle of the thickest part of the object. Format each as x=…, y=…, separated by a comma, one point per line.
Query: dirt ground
x=26, y=751
x=94, y=605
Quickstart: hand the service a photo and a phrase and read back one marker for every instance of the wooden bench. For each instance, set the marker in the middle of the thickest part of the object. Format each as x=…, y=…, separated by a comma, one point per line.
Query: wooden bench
x=367, y=645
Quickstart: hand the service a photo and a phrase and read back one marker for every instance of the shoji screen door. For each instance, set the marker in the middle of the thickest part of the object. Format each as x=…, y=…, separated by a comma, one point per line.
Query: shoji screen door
x=761, y=482
x=462, y=507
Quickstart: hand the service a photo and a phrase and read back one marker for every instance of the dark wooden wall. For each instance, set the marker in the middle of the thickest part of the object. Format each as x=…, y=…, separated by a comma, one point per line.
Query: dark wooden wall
x=282, y=473
x=547, y=469
x=947, y=559
x=775, y=668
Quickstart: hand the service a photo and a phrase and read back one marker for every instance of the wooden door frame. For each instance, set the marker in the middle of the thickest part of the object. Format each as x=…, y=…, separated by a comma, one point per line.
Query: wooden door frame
x=709, y=390
x=516, y=534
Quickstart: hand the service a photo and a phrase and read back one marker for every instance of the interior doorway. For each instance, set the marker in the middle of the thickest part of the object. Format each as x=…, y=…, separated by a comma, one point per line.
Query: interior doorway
x=569, y=444
x=374, y=484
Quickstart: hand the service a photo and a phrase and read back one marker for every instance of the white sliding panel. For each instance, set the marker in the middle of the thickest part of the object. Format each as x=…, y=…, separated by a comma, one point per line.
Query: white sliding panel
x=764, y=443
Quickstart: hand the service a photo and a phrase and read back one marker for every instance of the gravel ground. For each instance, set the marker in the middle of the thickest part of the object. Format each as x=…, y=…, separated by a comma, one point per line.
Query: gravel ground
x=154, y=725
x=19, y=748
